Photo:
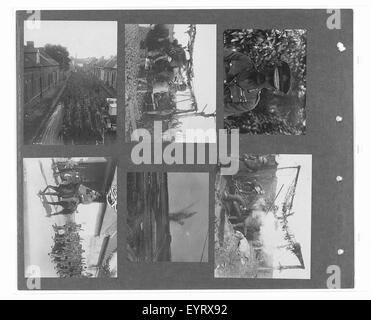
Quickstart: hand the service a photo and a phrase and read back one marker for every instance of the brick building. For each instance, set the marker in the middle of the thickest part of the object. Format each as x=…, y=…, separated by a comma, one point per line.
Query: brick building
x=41, y=72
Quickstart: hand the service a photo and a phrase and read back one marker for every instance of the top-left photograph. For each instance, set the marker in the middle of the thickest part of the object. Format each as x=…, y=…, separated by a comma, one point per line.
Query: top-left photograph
x=70, y=82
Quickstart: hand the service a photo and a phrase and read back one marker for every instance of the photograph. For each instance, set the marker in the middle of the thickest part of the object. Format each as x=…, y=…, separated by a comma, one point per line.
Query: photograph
x=168, y=217
x=70, y=217
x=265, y=81
x=263, y=218
x=170, y=77
x=70, y=83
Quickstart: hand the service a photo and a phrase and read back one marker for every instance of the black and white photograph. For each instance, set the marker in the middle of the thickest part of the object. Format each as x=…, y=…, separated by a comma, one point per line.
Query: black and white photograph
x=263, y=218
x=168, y=217
x=70, y=217
x=265, y=81
x=70, y=82
x=170, y=77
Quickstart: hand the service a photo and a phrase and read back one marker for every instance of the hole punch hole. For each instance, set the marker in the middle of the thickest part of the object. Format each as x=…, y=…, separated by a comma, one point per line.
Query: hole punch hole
x=341, y=47
x=339, y=119
x=341, y=252
x=339, y=178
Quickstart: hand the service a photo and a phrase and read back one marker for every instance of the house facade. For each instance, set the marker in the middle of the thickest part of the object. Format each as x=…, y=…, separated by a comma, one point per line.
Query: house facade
x=41, y=72
x=98, y=68
x=105, y=71
x=110, y=73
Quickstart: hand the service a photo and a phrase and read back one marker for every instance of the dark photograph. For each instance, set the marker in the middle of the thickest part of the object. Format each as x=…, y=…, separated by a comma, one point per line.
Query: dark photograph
x=70, y=217
x=70, y=82
x=265, y=81
x=168, y=217
x=263, y=218
x=170, y=77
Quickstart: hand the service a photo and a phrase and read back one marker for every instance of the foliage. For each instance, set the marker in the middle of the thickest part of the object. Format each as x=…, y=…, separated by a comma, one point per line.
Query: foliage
x=266, y=48
x=59, y=54
x=257, y=122
x=67, y=252
x=192, y=32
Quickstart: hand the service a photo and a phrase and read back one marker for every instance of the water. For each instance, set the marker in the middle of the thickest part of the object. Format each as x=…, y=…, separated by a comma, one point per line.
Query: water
x=189, y=189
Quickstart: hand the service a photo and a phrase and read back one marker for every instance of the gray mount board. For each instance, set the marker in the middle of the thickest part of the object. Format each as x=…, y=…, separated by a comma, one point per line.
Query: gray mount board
x=329, y=94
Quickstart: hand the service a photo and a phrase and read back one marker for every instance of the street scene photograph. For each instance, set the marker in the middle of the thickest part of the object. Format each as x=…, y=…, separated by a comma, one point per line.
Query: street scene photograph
x=263, y=218
x=70, y=217
x=265, y=81
x=168, y=217
x=70, y=83
x=170, y=76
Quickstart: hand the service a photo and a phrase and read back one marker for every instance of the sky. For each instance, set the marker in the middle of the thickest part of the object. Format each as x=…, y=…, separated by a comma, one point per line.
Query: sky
x=83, y=39
x=300, y=223
x=189, y=189
x=204, y=59
x=37, y=227
x=204, y=82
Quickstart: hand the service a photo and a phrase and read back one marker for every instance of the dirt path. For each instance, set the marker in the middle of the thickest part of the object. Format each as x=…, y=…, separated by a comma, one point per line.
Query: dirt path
x=37, y=112
x=50, y=135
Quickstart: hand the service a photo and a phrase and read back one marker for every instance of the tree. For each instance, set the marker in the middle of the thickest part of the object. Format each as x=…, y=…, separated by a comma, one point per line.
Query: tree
x=59, y=54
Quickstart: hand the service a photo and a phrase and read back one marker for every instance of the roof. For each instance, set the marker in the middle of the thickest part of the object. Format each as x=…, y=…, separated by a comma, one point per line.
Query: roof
x=111, y=63
x=30, y=58
x=101, y=62
x=45, y=58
